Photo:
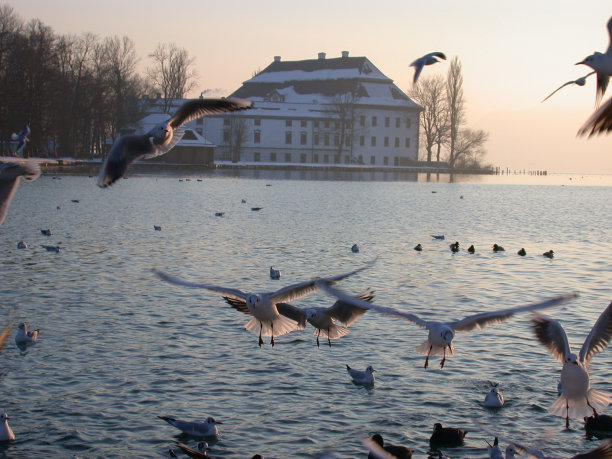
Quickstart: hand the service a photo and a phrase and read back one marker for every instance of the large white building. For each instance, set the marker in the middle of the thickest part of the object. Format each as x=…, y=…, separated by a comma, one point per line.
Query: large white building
x=317, y=111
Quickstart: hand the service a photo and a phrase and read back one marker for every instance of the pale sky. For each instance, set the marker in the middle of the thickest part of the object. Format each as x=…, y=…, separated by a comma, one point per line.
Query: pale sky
x=513, y=55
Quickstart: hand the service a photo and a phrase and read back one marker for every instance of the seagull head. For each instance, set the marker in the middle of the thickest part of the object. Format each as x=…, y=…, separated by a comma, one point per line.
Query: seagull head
x=447, y=336
x=3, y=417
x=511, y=451
x=252, y=300
x=591, y=60
x=310, y=313
x=22, y=326
x=203, y=446
x=369, y=369
x=211, y=420
x=161, y=134
x=571, y=358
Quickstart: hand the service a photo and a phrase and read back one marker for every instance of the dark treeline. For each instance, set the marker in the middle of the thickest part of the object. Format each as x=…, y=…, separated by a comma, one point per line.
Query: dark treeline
x=74, y=91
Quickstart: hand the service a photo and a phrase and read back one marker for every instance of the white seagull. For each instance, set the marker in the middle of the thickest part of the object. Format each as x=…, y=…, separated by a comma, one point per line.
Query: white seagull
x=427, y=59
x=579, y=81
x=577, y=399
x=9, y=181
x=24, y=336
x=267, y=320
x=22, y=139
x=441, y=334
x=6, y=433
x=600, y=121
x=161, y=138
x=207, y=428
x=324, y=319
x=603, y=451
x=362, y=377
x=494, y=399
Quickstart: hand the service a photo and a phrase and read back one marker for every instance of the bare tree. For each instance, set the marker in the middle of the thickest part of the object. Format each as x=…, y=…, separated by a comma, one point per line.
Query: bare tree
x=429, y=94
x=455, y=102
x=238, y=134
x=342, y=114
x=172, y=73
x=469, y=148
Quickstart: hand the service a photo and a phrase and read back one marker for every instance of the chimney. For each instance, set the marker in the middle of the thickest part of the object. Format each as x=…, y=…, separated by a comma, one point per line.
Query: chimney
x=344, y=54
x=321, y=56
x=277, y=58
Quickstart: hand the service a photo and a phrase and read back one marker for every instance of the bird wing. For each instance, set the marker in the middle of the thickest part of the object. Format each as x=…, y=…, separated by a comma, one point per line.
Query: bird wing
x=602, y=85
x=365, y=305
x=295, y=291
x=197, y=108
x=550, y=333
x=226, y=291
x=436, y=54
x=159, y=150
x=238, y=304
x=418, y=68
x=190, y=451
x=527, y=449
x=125, y=151
x=603, y=451
x=481, y=320
x=348, y=313
x=375, y=450
x=599, y=336
x=609, y=27
x=292, y=312
x=599, y=122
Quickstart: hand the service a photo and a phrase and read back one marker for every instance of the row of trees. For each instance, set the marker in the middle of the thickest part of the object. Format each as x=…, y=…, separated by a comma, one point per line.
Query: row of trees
x=77, y=91
x=443, y=131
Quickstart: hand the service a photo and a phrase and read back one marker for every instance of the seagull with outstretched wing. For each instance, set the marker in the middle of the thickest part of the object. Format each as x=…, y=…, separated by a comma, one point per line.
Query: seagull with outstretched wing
x=427, y=59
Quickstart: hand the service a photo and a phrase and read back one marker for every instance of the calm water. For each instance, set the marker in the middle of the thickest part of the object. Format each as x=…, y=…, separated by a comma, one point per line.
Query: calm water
x=119, y=347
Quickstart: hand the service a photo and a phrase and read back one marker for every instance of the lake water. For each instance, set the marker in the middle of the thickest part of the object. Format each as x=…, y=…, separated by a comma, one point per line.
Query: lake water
x=118, y=347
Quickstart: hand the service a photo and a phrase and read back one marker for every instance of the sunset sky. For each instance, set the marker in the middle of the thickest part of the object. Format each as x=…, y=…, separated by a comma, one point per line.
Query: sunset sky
x=513, y=55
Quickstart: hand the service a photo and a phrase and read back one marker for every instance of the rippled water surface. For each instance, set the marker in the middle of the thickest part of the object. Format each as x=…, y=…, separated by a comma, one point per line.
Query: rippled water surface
x=118, y=347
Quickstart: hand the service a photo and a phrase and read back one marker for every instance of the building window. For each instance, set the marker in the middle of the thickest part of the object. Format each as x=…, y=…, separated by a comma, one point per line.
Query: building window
x=397, y=142
x=362, y=120
x=326, y=124
x=288, y=123
x=408, y=123
x=288, y=138
x=226, y=121
x=386, y=160
x=407, y=142
x=374, y=121
x=336, y=125
x=315, y=158
x=336, y=139
x=387, y=121
x=315, y=138
x=398, y=122
x=326, y=139
x=347, y=141
x=386, y=141
x=287, y=157
x=373, y=141
x=226, y=136
x=303, y=138
x=199, y=121
x=372, y=160
x=257, y=121
x=256, y=157
x=347, y=159
x=316, y=123
x=396, y=161
x=257, y=136
x=361, y=140
x=273, y=157
x=303, y=158
x=326, y=158
x=360, y=159
x=303, y=123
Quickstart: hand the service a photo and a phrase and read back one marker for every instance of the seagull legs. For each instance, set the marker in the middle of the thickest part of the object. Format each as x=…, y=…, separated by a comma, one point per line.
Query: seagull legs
x=260, y=329
x=272, y=333
x=427, y=358
x=566, y=414
x=318, y=333
x=594, y=412
x=443, y=358
x=328, y=340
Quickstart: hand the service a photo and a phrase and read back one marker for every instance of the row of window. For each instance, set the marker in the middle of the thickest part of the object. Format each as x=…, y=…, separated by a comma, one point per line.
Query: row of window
x=315, y=158
x=326, y=123
x=326, y=141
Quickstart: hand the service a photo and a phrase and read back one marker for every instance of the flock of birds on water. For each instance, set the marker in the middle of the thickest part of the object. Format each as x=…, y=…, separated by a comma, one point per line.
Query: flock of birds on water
x=272, y=315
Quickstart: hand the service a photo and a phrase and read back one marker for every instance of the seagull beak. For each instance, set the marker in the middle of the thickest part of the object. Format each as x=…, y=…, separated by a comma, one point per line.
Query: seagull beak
x=578, y=63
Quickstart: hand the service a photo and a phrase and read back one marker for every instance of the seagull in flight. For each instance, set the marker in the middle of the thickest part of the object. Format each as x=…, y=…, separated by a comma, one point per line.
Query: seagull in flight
x=580, y=82
x=427, y=59
x=600, y=121
x=161, y=138
x=441, y=334
x=577, y=399
x=324, y=319
x=21, y=139
x=9, y=181
x=264, y=307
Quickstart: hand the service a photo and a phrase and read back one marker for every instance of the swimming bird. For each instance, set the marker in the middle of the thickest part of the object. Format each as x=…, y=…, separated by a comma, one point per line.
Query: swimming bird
x=274, y=273
x=418, y=247
x=471, y=249
x=599, y=426
x=22, y=245
x=438, y=236
x=199, y=453
x=46, y=232
x=549, y=254
x=24, y=336
x=427, y=59
x=6, y=433
x=22, y=139
x=498, y=248
x=355, y=248
x=578, y=398
x=9, y=181
x=362, y=377
x=324, y=319
x=454, y=247
x=441, y=334
x=447, y=436
x=255, y=209
x=262, y=306
x=399, y=452
x=161, y=138
x=157, y=227
x=522, y=252
x=603, y=451
x=219, y=214
x=494, y=399
x=494, y=450
x=579, y=81
x=51, y=248
x=208, y=428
